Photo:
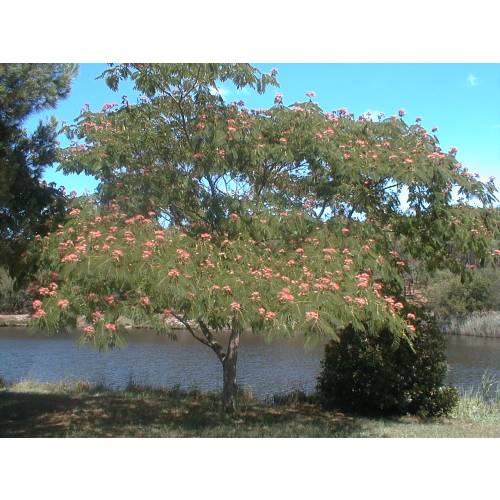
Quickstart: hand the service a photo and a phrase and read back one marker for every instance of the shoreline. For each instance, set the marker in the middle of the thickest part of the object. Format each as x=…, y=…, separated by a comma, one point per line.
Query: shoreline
x=22, y=321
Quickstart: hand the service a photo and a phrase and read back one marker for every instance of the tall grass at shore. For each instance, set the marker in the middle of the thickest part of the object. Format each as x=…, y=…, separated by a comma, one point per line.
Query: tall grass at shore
x=480, y=404
x=485, y=324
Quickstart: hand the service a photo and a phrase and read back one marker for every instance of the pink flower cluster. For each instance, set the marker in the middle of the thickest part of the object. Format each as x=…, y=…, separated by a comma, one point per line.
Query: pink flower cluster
x=312, y=315
x=182, y=254
x=285, y=296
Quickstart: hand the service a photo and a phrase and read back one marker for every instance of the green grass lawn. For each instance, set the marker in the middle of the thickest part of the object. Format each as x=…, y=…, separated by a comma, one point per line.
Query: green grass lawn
x=31, y=409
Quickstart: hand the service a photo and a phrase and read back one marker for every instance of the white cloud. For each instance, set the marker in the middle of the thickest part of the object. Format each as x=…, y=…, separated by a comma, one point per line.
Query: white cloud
x=472, y=80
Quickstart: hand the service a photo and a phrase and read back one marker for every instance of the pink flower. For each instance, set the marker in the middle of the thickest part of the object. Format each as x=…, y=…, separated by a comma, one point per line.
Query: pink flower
x=145, y=300
x=72, y=257
x=93, y=297
x=129, y=235
x=346, y=156
x=361, y=301
x=345, y=231
x=39, y=313
x=37, y=304
x=205, y=237
x=182, y=254
x=411, y=316
x=173, y=273
x=110, y=326
x=88, y=330
x=285, y=296
x=198, y=156
x=255, y=296
x=453, y=151
x=311, y=94
x=63, y=304
x=283, y=140
x=312, y=315
x=270, y=316
x=235, y=306
x=401, y=112
x=329, y=251
x=233, y=217
x=221, y=153
x=160, y=235
x=227, y=289
x=97, y=316
x=412, y=328
x=278, y=99
x=167, y=312
x=117, y=254
x=74, y=212
x=110, y=299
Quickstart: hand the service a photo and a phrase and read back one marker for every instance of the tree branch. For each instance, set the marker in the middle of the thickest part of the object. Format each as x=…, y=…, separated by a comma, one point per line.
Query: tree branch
x=211, y=342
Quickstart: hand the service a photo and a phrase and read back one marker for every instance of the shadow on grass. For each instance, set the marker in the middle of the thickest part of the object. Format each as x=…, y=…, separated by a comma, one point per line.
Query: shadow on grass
x=158, y=413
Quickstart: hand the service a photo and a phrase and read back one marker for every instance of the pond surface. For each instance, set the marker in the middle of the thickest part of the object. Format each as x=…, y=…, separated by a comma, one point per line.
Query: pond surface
x=266, y=368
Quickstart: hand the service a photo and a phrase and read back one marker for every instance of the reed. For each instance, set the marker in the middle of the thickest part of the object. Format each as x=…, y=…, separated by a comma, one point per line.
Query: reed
x=485, y=324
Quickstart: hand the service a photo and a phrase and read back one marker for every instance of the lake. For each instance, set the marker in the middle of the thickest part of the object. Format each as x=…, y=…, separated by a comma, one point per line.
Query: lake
x=266, y=368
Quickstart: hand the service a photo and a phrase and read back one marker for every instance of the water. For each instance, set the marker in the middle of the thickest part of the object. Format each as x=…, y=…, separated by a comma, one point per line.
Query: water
x=267, y=368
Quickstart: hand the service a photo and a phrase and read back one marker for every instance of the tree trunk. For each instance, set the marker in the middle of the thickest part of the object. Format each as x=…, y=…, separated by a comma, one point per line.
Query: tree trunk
x=230, y=389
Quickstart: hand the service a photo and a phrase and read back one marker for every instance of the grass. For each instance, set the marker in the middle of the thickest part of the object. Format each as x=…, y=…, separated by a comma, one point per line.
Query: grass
x=477, y=325
x=33, y=409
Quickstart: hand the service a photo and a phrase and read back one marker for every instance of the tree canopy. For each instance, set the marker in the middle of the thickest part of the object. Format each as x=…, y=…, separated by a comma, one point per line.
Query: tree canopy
x=27, y=204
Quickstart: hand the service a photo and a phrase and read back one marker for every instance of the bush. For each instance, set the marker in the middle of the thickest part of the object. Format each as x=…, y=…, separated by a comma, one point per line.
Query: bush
x=368, y=373
x=11, y=299
x=449, y=297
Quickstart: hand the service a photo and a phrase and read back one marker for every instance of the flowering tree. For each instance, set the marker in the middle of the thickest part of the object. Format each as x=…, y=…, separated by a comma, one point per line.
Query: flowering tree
x=227, y=219
x=106, y=265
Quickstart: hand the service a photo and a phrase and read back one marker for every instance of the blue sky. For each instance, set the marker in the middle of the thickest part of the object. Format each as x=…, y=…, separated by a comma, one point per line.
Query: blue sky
x=462, y=100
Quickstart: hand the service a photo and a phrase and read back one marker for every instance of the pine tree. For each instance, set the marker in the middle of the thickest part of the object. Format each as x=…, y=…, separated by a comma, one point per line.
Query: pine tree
x=27, y=204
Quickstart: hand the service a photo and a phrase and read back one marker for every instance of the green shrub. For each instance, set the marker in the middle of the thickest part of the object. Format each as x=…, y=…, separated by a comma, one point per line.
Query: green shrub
x=449, y=297
x=11, y=299
x=368, y=373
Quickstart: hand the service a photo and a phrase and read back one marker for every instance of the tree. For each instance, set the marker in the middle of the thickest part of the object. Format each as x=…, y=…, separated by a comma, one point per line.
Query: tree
x=218, y=180
x=105, y=265
x=27, y=204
